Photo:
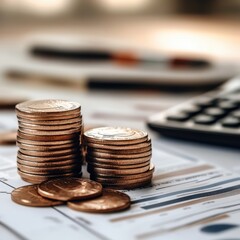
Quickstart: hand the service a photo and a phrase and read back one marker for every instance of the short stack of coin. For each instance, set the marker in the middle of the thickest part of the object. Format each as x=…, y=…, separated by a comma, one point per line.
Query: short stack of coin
x=119, y=157
x=49, y=139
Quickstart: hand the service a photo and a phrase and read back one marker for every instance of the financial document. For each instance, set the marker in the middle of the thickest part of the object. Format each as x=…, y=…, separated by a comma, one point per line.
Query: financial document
x=187, y=195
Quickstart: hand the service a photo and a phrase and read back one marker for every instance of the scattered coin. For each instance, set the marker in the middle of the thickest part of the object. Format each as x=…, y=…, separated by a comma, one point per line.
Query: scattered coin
x=70, y=189
x=28, y=196
x=109, y=201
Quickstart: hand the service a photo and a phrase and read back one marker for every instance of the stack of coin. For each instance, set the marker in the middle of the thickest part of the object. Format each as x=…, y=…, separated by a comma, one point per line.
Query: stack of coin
x=49, y=139
x=119, y=157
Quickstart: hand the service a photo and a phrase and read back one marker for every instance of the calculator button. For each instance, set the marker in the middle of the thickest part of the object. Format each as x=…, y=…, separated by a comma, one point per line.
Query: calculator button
x=205, y=102
x=231, y=122
x=216, y=112
x=192, y=110
x=205, y=119
x=179, y=117
x=228, y=105
x=236, y=113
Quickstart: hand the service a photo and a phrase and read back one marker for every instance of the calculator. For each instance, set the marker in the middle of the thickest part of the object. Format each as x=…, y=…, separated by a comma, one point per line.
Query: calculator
x=213, y=117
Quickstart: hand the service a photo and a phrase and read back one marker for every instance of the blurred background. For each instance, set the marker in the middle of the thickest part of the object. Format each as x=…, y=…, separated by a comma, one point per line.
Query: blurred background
x=208, y=27
x=128, y=32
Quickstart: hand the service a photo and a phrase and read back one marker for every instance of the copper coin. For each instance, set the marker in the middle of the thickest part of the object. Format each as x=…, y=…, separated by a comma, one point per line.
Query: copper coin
x=34, y=178
x=115, y=136
x=48, y=159
x=118, y=161
x=8, y=138
x=49, y=138
x=119, y=152
x=102, y=176
x=112, y=172
x=49, y=164
x=48, y=107
x=109, y=201
x=49, y=170
x=49, y=133
x=125, y=182
x=120, y=147
x=57, y=122
x=28, y=196
x=111, y=166
x=129, y=186
x=43, y=143
x=51, y=127
x=49, y=153
x=41, y=118
x=46, y=147
x=66, y=189
x=119, y=156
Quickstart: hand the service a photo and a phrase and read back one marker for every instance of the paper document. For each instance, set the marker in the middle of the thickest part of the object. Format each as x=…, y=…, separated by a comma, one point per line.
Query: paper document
x=186, y=194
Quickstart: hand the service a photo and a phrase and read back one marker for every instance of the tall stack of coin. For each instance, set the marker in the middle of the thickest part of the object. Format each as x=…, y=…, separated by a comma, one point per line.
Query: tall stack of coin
x=119, y=157
x=49, y=139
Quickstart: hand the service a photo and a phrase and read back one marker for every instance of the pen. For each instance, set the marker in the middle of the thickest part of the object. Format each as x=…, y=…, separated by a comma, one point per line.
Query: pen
x=122, y=57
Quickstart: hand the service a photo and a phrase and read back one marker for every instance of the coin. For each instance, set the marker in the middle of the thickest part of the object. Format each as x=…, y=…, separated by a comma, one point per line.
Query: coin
x=47, y=107
x=129, y=186
x=109, y=201
x=49, y=133
x=125, y=182
x=119, y=152
x=115, y=136
x=48, y=164
x=48, y=122
x=8, y=138
x=34, y=178
x=118, y=156
x=120, y=147
x=118, y=161
x=111, y=166
x=49, y=170
x=47, y=147
x=49, y=138
x=50, y=153
x=48, y=159
x=66, y=189
x=44, y=143
x=28, y=196
x=47, y=118
x=77, y=125
x=113, y=172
